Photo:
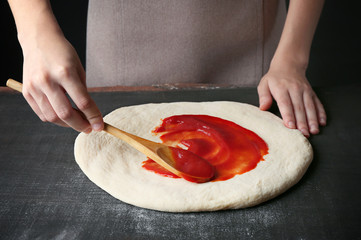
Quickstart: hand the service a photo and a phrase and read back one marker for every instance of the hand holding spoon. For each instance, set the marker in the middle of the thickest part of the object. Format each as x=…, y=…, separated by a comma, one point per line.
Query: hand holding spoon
x=181, y=162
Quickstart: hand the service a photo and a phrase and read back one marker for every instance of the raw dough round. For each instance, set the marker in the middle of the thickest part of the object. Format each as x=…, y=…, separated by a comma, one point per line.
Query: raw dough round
x=117, y=168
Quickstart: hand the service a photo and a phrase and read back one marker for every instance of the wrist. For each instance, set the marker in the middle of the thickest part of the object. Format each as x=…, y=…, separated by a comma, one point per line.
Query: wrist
x=39, y=37
x=40, y=25
x=290, y=60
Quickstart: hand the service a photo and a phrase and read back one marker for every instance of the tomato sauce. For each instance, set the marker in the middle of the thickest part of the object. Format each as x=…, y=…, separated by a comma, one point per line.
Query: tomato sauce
x=228, y=147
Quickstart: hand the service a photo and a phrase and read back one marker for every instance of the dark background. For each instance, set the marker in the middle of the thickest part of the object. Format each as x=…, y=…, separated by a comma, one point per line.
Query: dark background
x=335, y=55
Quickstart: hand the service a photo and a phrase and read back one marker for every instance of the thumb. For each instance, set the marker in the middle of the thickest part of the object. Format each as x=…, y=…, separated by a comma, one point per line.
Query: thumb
x=264, y=95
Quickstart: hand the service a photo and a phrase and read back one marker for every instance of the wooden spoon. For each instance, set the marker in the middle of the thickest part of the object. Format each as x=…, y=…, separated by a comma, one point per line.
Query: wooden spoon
x=181, y=162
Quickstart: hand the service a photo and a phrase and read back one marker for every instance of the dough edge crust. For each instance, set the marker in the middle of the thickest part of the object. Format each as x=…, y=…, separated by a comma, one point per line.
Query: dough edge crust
x=116, y=168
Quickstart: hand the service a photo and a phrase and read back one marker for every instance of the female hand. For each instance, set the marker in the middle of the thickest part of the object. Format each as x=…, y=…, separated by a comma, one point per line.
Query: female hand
x=52, y=69
x=299, y=106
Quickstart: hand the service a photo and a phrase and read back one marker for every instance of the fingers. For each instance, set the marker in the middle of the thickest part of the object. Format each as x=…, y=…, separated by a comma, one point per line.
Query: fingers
x=29, y=98
x=52, y=69
x=264, y=95
x=300, y=112
x=311, y=113
x=301, y=109
x=42, y=107
x=298, y=104
x=321, y=113
x=49, y=102
x=64, y=111
x=285, y=106
x=85, y=104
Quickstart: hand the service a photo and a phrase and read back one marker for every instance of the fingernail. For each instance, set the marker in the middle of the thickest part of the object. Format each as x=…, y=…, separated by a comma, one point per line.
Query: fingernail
x=261, y=105
x=291, y=124
x=323, y=121
x=88, y=130
x=97, y=127
x=314, y=129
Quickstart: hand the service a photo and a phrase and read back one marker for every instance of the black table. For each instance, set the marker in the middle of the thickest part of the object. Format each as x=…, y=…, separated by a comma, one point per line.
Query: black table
x=44, y=194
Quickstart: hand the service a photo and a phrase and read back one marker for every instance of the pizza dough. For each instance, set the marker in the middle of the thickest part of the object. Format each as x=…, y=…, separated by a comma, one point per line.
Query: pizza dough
x=117, y=168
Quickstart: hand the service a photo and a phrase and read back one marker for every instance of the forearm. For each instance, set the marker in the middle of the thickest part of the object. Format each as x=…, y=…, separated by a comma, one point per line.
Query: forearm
x=286, y=80
x=34, y=18
x=52, y=68
x=298, y=32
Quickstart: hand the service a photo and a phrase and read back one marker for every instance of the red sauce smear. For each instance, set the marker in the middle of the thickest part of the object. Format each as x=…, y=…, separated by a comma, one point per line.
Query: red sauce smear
x=228, y=147
x=195, y=168
x=192, y=167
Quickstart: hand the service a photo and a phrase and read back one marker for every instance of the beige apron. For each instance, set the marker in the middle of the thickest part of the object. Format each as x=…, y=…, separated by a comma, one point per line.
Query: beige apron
x=151, y=42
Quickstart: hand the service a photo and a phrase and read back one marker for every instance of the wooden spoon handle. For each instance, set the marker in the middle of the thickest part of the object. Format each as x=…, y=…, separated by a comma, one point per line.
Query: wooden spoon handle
x=17, y=86
x=11, y=83
x=135, y=141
